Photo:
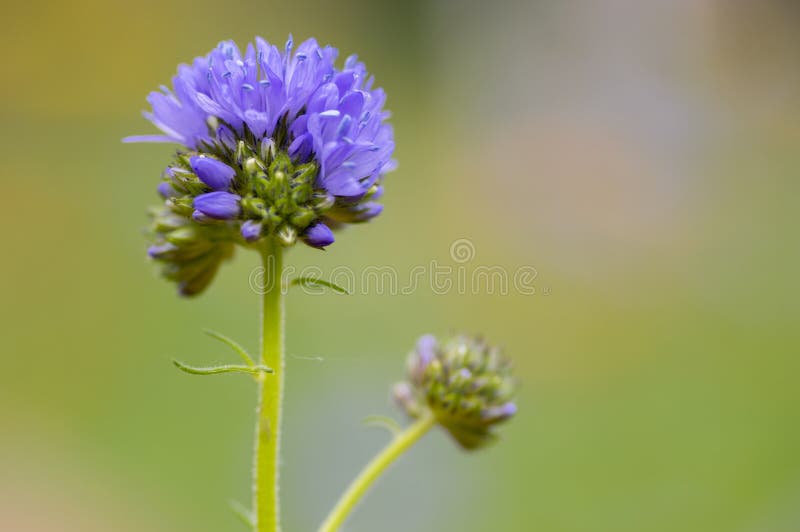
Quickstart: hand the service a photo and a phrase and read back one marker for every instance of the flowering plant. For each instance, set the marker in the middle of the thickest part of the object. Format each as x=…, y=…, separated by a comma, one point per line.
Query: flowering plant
x=280, y=146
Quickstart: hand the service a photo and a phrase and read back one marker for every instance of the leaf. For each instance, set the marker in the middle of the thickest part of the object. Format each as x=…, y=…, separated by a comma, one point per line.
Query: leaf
x=242, y=513
x=225, y=368
x=383, y=422
x=313, y=281
x=241, y=351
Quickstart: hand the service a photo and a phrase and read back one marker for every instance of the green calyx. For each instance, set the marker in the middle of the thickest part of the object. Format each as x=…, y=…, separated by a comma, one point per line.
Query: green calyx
x=279, y=200
x=190, y=253
x=277, y=194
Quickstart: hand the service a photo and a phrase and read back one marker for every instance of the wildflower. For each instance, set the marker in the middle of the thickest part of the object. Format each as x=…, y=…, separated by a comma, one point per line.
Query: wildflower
x=464, y=382
x=274, y=144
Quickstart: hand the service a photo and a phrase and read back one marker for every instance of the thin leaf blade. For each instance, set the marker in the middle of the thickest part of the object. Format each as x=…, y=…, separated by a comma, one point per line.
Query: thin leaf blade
x=315, y=282
x=233, y=344
x=245, y=515
x=384, y=422
x=224, y=368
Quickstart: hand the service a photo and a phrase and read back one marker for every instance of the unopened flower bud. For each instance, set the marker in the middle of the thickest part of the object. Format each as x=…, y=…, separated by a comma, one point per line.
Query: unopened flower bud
x=251, y=166
x=190, y=252
x=182, y=235
x=241, y=150
x=318, y=236
x=165, y=189
x=251, y=230
x=464, y=382
x=267, y=149
x=216, y=174
x=324, y=203
x=403, y=395
x=287, y=235
x=218, y=205
x=303, y=217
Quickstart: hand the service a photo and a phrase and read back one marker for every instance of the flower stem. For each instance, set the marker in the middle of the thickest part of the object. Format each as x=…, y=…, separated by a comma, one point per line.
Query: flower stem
x=270, y=395
x=400, y=444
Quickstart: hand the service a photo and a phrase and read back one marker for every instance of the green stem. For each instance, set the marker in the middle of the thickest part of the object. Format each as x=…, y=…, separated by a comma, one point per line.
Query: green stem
x=400, y=444
x=270, y=395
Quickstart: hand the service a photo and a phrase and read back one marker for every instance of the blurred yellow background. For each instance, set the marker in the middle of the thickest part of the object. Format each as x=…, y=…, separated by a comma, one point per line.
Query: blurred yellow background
x=642, y=156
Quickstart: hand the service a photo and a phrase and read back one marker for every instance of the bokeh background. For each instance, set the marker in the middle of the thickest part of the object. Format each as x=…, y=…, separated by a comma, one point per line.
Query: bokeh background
x=643, y=156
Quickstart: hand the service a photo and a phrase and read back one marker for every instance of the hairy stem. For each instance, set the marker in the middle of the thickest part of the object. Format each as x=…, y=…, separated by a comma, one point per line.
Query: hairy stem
x=270, y=395
x=400, y=444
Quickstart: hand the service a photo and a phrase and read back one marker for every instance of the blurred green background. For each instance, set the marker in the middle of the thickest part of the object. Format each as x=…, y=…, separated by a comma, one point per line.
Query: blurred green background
x=643, y=156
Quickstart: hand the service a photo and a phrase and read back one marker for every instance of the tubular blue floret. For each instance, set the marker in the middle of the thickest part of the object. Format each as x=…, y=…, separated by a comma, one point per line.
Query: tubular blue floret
x=251, y=230
x=218, y=205
x=165, y=189
x=212, y=172
x=318, y=236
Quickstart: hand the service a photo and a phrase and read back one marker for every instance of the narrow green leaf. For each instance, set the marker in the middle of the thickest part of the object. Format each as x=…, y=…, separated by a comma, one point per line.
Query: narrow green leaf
x=383, y=422
x=241, y=351
x=242, y=513
x=226, y=368
x=313, y=281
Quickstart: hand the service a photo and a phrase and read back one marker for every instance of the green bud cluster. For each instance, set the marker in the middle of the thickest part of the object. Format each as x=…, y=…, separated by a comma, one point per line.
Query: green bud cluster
x=275, y=192
x=464, y=382
x=281, y=195
x=190, y=253
x=278, y=197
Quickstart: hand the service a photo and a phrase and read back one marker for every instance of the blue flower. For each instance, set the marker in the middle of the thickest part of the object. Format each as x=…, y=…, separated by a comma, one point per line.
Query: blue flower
x=300, y=101
x=274, y=143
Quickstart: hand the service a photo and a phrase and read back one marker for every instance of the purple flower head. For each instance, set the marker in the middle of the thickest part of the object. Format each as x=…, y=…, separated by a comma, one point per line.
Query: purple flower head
x=275, y=142
x=464, y=382
x=300, y=99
